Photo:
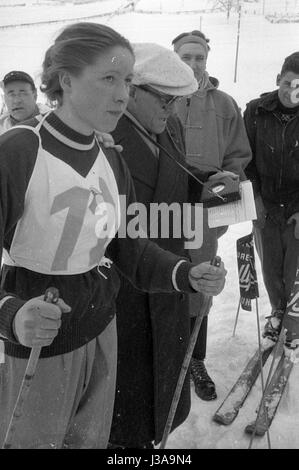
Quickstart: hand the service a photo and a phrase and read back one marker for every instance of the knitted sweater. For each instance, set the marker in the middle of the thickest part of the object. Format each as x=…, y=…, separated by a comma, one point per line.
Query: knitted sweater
x=45, y=167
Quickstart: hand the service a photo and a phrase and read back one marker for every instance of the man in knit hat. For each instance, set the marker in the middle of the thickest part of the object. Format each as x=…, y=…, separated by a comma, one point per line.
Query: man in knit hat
x=153, y=329
x=20, y=97
x=215, y=138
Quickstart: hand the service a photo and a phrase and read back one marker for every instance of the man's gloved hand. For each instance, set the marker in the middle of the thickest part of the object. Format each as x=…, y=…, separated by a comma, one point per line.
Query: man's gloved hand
x=37, y=322
x=108, y=141
x=261, y=213
x=295, y=220
x=208, y=279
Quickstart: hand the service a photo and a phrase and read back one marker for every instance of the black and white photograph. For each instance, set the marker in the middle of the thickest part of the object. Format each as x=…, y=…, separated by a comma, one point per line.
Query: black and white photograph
x=149, y=227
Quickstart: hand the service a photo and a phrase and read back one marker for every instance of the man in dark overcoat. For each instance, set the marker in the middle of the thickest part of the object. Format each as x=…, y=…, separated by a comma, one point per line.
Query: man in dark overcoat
x=153, y=329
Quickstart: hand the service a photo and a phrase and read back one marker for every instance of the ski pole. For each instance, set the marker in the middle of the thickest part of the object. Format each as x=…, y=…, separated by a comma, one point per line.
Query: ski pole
x=237, y=316
x=261, y=373
x=51, y=296
x=178, y=390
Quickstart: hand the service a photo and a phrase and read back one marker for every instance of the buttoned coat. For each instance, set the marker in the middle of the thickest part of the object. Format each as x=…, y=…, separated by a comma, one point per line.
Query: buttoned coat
x=214, y=130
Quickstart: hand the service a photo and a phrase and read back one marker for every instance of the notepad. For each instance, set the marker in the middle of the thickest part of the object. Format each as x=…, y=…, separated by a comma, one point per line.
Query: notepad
x=234, y=212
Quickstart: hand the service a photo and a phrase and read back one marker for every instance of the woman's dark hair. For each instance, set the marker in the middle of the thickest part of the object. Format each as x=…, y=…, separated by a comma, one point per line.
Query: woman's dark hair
x=291, y=64
x=77, y=46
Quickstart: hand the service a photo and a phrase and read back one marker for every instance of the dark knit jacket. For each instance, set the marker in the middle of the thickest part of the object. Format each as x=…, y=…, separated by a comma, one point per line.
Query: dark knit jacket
x=91, y=297
x=274, y=168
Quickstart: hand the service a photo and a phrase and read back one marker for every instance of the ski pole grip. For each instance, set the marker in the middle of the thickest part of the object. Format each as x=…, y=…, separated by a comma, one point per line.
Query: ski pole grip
x=51, y=295
x=207, y=300
x=216, y=261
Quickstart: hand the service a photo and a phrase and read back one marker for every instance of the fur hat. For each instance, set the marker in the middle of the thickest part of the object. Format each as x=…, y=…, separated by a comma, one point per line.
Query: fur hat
x=163, y=70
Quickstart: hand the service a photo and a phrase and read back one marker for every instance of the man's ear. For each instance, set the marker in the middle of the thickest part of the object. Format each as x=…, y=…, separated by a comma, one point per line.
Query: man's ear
x=278, y=78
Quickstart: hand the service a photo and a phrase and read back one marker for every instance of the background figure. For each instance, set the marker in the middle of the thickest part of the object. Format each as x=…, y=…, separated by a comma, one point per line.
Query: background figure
x=272, y=124
x=153, y=329
x=20, y=97
x=55, y=179
x=215, y=138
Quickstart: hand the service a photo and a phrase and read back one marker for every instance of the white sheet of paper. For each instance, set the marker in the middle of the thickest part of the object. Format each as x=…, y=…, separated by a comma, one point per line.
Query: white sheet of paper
x=234, y=212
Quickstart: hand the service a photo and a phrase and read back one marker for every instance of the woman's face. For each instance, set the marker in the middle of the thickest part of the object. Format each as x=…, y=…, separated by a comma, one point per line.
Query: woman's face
x=96, y=99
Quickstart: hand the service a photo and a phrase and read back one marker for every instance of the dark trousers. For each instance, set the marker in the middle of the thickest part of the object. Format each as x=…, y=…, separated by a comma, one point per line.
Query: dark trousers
x=205, y=253
x=278, y=251
x=200, y=348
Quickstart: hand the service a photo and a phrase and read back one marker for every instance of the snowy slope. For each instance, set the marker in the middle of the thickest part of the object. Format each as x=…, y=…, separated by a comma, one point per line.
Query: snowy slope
x=31, y=13
x=263, y=47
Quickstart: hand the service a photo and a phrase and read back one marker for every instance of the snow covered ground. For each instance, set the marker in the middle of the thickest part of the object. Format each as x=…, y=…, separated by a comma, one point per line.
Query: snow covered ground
x=226, y=358
x=263, y=47
x=39, y=13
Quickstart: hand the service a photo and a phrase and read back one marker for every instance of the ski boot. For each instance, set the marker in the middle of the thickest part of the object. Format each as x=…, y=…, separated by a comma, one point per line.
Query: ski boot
x=291, y=344
x=273, y=326
x=204, y=385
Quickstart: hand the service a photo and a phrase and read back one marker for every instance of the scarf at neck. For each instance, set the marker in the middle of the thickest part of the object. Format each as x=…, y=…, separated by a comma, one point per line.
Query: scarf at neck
x=204, y=81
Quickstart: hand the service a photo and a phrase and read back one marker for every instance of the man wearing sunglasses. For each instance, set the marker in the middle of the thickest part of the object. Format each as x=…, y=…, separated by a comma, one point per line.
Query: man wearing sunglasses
x=215, y=138
x=153, y=330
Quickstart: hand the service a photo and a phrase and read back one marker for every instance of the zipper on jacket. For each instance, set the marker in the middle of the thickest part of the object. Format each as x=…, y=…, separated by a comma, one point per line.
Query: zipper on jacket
x=283, y=145
x=282, y=157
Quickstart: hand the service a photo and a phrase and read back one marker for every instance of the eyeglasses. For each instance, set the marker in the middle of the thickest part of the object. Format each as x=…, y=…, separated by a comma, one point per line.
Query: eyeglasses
x=166, y=101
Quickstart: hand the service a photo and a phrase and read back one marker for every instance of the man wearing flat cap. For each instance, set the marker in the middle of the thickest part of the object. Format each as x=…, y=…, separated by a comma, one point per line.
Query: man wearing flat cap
x=153, y=329
x=215, y=137
x=20, y=98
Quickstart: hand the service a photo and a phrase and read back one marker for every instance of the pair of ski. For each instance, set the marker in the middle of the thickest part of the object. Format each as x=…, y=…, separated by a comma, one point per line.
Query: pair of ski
x=231, y=405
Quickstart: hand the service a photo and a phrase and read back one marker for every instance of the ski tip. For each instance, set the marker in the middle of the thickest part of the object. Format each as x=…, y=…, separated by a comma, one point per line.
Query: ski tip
x=259, y=430
x=225, y=419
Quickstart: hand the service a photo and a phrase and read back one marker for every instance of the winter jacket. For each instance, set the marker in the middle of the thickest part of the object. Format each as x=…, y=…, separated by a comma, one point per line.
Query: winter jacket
x=215, y=137
x=153, y=328
x=42, y=173
x=214, y=130
x=274, y=169
x=6, y=122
